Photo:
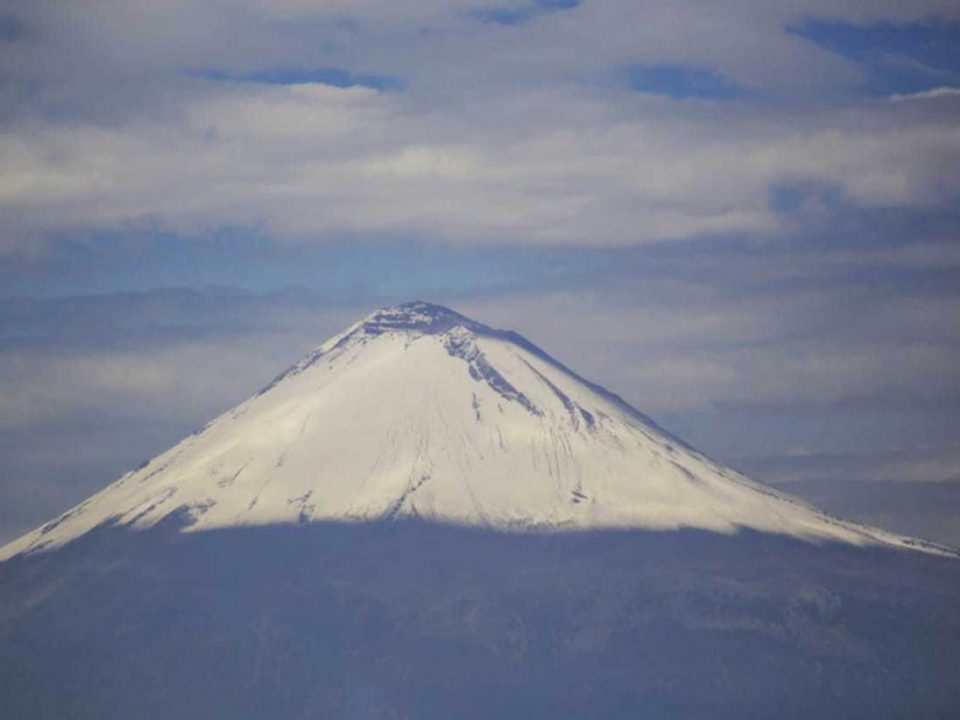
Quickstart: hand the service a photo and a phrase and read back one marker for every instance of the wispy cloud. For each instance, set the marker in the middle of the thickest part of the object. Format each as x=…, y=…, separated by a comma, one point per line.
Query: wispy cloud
x=932, y=94
x=335, y=77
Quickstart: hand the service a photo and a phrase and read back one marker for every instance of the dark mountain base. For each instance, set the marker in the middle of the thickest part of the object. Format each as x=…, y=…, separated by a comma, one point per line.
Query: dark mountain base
x=408, y=620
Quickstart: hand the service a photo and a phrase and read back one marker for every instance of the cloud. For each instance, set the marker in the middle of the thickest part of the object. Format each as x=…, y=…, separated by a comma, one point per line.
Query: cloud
x=172, y=355
x=312, y=162
x=334, y=77
x=40, y=389
x=144, y=114
x=936, y=93
x=918, y=464
x=671, y=354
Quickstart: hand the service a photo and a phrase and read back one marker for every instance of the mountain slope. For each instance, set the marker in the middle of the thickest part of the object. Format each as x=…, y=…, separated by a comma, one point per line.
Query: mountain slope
x=426, y=518
x=419, y=411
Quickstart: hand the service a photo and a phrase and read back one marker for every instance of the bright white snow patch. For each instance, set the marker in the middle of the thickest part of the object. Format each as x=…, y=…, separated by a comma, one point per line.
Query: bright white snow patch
x=419, y=411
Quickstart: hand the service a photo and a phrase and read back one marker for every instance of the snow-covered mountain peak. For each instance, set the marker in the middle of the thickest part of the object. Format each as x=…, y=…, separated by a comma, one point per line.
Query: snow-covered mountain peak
x=418, y=411
x=418, y=317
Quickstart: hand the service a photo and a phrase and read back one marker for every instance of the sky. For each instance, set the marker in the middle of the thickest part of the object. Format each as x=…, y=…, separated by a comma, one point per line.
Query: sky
x=740, y=215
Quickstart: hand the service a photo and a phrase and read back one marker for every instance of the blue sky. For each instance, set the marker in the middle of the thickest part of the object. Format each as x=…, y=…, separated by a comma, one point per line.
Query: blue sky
x=332, y=76
x=896, y=57
x=681, y=81
x=740, y=215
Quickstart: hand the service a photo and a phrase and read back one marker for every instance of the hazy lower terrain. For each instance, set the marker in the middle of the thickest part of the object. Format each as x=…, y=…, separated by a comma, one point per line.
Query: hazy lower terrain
x=408, y=620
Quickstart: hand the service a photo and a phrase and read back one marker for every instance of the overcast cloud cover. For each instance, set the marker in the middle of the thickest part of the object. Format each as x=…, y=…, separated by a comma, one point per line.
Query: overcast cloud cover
x=741, y=215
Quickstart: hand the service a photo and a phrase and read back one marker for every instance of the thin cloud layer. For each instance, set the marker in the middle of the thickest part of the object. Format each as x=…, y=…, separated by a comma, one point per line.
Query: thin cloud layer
x=314, y=162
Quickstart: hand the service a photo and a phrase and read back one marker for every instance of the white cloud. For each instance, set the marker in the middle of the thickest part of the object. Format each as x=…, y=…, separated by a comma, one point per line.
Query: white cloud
x=312, y=162
x=937, y=93
x=503, y=134
x=670, y=349
x=42, y=389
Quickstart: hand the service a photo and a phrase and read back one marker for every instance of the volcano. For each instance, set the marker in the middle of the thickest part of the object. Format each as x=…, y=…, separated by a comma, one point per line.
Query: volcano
x=417, y=411
x=429, y=517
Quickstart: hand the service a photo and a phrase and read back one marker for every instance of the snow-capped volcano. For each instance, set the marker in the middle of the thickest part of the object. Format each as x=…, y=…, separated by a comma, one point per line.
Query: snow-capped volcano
x=419, y=411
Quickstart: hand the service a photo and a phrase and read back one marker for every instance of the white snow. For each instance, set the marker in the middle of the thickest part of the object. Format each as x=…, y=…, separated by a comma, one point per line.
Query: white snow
x=419, y=411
